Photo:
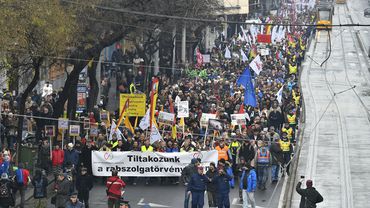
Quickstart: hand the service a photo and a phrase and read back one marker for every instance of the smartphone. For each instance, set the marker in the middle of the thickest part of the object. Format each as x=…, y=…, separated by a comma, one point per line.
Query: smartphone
x=302, y=176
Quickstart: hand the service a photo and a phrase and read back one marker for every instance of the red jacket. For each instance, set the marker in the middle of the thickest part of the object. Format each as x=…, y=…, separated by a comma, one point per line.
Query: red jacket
x=115, y=185
x=57, y=157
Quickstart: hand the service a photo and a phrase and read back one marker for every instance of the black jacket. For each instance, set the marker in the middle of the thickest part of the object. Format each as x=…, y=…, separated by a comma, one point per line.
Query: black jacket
x=84, y=183
x=247, y=151
x=211, y=187
x=276, y=154
x=187, y=172
x=40, y=192
x=309, y=197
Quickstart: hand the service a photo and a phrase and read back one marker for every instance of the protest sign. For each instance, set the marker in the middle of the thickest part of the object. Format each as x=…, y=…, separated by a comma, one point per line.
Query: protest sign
x=166, y=118
x=205, y=117
x=147, y=164
x=74, y=130
x=238, y=119
x=183, y=109
x=137, y=104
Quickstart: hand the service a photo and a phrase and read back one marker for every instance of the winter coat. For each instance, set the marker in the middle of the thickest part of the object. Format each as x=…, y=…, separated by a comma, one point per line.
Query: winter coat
x=63, y=191
x=251, y=180
x=84, y=183
x=42, y=192
x=309, y=196
x=223, y=183
x=115, y=185
x=188, y=172
x=78, y=204
x=198, y=183
x=211, y=175
x=276, y=154
x=57, y=157
x=247, y=151
x=71, y=156
x=7, y=201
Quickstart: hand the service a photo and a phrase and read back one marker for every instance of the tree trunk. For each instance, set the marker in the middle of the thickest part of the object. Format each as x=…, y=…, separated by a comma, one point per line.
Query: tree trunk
x=94, y=87
x=36, y=67
x=82, y=54
x=72, y=100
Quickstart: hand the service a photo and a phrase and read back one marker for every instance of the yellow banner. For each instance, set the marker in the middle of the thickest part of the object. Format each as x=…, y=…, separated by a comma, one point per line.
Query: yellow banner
x=137, y=104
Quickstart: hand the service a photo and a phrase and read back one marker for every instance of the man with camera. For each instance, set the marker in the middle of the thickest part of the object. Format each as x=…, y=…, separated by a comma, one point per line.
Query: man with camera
x=309, y=196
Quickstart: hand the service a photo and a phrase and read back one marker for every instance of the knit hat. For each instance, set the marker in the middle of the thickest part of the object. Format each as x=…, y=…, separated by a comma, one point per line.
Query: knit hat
x=194, y=160
x=309, y=183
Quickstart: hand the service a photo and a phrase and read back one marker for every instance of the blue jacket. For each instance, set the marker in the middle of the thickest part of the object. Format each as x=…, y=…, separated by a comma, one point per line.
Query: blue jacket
x=229, y=171
x=71, y=156
x=252, y=180
x=4, y=167
x=222, y=183
x=198, y=183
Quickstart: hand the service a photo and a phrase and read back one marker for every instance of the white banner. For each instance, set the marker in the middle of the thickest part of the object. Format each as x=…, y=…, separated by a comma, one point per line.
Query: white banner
x=183, y=109
x=147, y=164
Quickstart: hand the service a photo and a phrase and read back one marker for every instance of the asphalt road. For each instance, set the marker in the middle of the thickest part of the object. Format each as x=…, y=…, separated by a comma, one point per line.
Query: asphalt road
x=156, y=195
x=335, y=141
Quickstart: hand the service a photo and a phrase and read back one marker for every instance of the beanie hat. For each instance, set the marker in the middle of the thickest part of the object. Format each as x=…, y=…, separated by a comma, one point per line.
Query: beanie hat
x=194, y=160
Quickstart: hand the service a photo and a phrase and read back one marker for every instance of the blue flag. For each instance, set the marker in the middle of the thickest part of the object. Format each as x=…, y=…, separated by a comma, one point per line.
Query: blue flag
x=245, y=80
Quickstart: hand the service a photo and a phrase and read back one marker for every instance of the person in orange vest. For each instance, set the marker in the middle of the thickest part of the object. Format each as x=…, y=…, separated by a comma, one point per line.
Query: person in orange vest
x=263, y=163
x=223, y=151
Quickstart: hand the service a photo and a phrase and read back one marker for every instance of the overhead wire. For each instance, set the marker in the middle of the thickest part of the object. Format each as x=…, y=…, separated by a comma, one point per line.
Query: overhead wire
x=121, y=10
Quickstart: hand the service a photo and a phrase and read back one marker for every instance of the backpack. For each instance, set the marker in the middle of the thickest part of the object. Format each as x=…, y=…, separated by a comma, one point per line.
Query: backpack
x=4, y=191
x=19, y=177
x=39, y=192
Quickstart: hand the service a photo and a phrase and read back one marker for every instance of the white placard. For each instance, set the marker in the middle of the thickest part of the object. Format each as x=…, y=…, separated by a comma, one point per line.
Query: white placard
x=265, y=52
x=166, y=118
x=205, y=117
x=62, y=123
x=183, y=109
x=147, y=164
x=74, y=130
x=238, y=119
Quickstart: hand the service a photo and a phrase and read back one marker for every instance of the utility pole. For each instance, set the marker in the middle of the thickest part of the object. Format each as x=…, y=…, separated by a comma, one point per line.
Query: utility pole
x=183, y=44
x=173, y=51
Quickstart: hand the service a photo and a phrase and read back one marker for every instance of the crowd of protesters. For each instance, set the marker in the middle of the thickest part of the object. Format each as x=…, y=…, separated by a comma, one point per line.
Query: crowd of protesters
x=247, y=153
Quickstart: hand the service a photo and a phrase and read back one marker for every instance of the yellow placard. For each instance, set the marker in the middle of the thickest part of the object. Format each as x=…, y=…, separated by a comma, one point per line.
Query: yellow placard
x=136, y=104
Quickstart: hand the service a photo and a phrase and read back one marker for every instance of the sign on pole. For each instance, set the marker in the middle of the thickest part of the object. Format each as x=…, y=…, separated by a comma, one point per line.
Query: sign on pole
x=74, y=130
x=205, y=117
x=137, y=104
x=166, y=118
x=238, y=119
x=62, y=123
x=49, y=131
x=183, y=109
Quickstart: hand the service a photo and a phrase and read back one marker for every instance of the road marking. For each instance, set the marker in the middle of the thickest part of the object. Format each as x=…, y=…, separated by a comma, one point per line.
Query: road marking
x=235, y=202
x=141, y=203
